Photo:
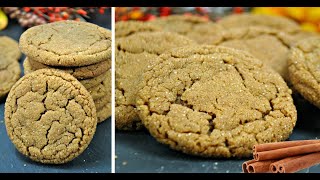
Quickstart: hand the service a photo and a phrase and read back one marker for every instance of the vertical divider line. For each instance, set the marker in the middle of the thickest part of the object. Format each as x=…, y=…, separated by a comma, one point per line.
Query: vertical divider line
x=113, y=137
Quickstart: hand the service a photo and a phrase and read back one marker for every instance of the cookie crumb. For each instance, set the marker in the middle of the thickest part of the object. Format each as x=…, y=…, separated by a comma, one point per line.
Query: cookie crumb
x=124, y=163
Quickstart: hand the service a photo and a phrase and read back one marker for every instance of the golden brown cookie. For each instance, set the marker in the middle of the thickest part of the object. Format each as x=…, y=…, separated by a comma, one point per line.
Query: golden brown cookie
x=196, y=28
x=82, y=72
x=103, y=89
x=246, y=20
x=133, y=55
x=87, y=83
x=67, y=43
x=127, y=28
x=50, y=117
x=268, y=45
x=215, y=102
x=9, y=47
x=104, y=113
x=9, y=74
x=303, y=65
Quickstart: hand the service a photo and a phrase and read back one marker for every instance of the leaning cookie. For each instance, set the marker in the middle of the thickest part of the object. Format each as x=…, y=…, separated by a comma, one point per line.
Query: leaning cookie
x=134, y=54
x=196, y=28
x=267, y=44
x=9, y=74
x=127, y=28
x=214, y=102
x=50, y=117
x=303, y=65
x=67, y=43
x=10, y=48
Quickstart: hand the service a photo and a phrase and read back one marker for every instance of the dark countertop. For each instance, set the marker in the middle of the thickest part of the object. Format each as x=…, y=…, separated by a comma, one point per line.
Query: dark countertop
x=95, y=159
x=140, y=152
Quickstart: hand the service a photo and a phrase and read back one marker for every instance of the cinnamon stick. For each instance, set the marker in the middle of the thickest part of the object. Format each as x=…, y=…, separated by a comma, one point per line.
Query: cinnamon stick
x=245, y=165
x=274, y=167
x=300, y=163
x=279, y=145
x=259, y=166
x=287, y=152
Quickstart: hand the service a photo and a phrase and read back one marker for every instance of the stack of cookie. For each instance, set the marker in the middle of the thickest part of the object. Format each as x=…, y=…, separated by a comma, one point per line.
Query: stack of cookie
x=78, y=48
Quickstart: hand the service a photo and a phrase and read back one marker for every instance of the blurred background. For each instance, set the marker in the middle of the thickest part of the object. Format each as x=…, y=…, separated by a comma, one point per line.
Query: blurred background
x=32, y=16
x=307, y=17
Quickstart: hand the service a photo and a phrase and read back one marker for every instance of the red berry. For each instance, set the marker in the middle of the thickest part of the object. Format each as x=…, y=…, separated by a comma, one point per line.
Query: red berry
x=81, y=12
x=27, y=9
x=238, y=10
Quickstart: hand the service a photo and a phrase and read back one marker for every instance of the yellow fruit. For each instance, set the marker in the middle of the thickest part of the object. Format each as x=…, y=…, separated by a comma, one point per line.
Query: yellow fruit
x=3, y=20
x=309, y=27
x=297, y=13
x=313, y=14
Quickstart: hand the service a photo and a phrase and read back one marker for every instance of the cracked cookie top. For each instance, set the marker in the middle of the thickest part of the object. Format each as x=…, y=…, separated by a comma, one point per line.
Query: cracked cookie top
x=304, y=65
x=134, y=54
x=269, y=45
x=214, y=101
x=67, y=43
x=50, y=117
x=196, y=28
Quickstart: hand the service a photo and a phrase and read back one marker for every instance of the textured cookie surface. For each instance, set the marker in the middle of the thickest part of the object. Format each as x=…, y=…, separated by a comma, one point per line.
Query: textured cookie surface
x=304, y=64
x=195, y=28
x=103, y=104
x=9, y=74
x=268, y=45
x=67, y=43
x=9, y=47
x=83, y=72
x=127, y=28
x=214, y=102
x=247, y=20
x=50, y=117
x=133, y=55
x=102, y=89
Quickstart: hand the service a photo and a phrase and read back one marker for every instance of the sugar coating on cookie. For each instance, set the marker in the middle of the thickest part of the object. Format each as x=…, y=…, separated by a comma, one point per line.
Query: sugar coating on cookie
x=196, y=28
x=127, y=28
x=303, y=65
x=215, y=102
x=67, y=43
x=50, y=117
x=9, y=74
x=246, y=20
x=133, y=55
x=269, y=45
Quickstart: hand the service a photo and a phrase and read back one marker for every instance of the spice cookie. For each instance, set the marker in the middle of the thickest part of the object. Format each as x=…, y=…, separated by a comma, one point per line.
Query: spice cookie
x=303, y=65
x=104, y=113
x=9, y=47
x=83, y=72
x=215, y=102
x=103, y=89
x=133, y=55
x=67, y=43
x=196, y=28
x=50, y=117
x=100, y=103
x=265, y=44
x=95, y=81
x=127, y=28
x=9, y=74
x=247, y=20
